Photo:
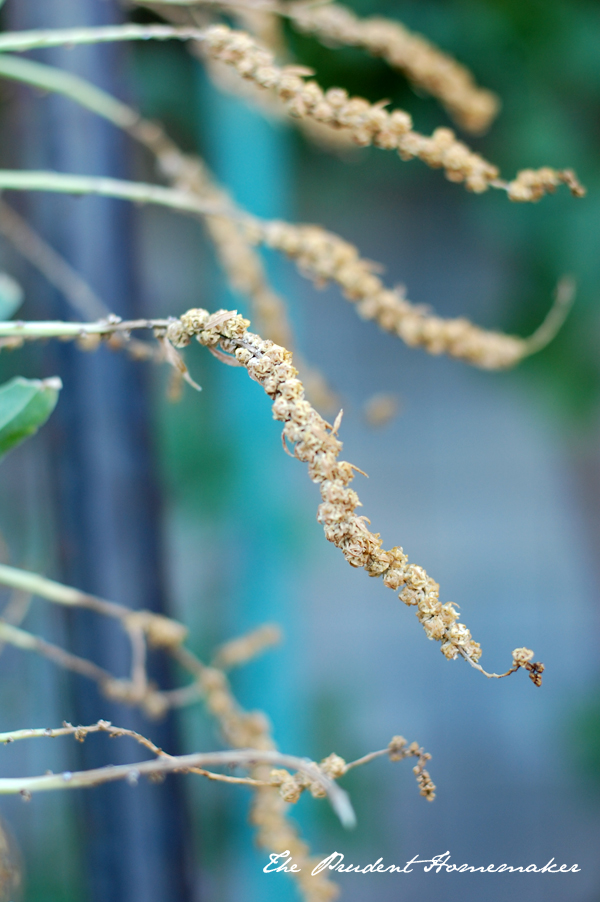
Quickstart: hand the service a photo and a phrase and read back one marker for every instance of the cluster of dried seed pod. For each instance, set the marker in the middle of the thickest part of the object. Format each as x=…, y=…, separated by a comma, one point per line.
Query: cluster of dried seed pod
x=522, y=658
x=315, y=442
x=424, y=64
x=438, y=620
x=398, y=750
x=532, y=184
x=323, y=256
x=291, y=786
x=366, y=122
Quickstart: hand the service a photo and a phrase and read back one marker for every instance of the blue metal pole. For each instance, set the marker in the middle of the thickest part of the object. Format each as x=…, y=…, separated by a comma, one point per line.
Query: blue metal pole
x=108, y=509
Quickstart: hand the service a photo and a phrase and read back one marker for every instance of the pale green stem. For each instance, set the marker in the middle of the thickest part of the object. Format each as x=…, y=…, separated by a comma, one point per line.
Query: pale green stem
x=53, y=591
x=50, y=78
x=286, y=11
x=18, y=41
x=253, y=5
x=58, y=329
x=138, y=192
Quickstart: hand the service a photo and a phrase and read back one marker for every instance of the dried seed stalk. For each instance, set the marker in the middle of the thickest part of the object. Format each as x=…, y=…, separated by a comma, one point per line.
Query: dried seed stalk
x=424, y=64
x=225, y=334
x=275, y=831
x=241, y=729
x=162, y=765
x=314, y=442
x=244, y=648
x=372, y=124
x=323, y=256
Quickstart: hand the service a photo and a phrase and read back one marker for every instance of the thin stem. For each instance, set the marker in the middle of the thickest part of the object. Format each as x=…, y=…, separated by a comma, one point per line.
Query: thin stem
x=138, y=192
x=54, y=267
x=57, y=592
x=58, y=329
x=51, y=78
x=564, y=296
x=104, y=726
x=183, y=696
x=224, y=778
x=367, y=758
x=244, y=648
x=13, y=635
x=490, y=676
x=80, y=733
x=18, y=41
x=254, y=5
x=66, y=730
x=167, y=764
x=186, y=659
x=139, y=679
x=16, y=609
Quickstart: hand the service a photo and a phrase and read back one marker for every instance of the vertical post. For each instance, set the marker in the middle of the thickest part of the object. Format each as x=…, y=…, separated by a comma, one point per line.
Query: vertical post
x=107, y=510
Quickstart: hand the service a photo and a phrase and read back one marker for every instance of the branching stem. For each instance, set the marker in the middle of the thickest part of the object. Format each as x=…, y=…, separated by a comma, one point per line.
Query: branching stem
x=164, y=764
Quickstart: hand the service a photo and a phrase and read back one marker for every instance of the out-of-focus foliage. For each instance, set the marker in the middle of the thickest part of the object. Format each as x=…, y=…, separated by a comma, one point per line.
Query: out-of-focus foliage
x=585, y=739
x=11, y=296
x=25, y=404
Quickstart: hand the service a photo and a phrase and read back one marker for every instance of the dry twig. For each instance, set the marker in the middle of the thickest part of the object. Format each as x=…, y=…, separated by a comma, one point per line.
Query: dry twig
x=163, y=764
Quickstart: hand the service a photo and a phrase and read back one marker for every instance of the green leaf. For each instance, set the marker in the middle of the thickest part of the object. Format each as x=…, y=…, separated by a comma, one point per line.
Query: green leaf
x=11, y=293
x=25, y=405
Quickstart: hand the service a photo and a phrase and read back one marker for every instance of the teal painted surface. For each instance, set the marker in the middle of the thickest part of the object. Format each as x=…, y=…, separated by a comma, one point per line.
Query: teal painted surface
x=254, y=159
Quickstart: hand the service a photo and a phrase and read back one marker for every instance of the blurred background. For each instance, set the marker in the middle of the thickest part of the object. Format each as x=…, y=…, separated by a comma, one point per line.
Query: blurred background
x=491, y=481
